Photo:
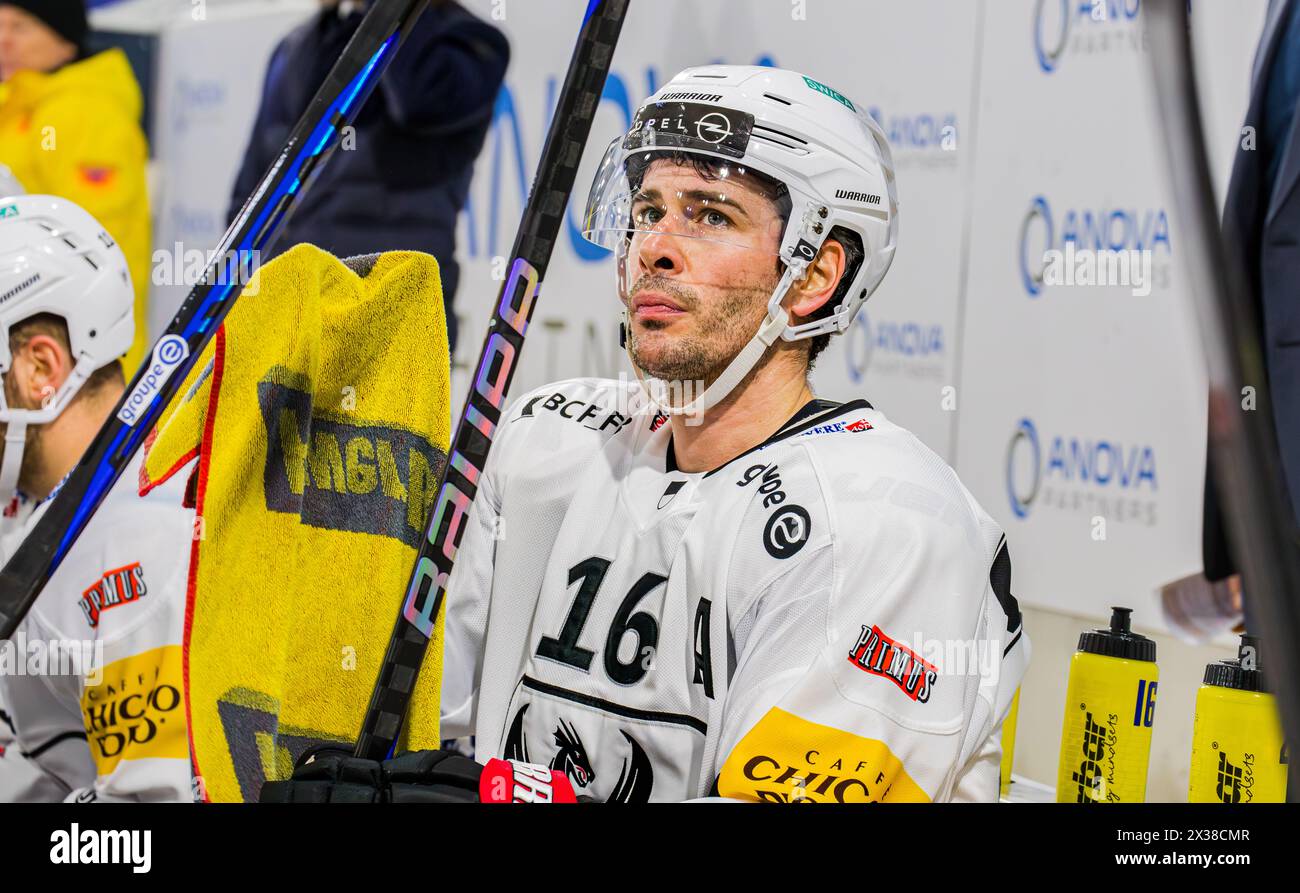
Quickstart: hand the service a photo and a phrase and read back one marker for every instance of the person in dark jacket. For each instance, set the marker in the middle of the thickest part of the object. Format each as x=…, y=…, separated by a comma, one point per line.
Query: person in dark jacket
x=399, y=181
x=1261, y=223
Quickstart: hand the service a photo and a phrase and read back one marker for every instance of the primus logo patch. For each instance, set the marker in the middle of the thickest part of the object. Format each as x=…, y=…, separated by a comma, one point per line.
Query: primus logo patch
x=341, y=476
x=116, y=587
x=878, y=654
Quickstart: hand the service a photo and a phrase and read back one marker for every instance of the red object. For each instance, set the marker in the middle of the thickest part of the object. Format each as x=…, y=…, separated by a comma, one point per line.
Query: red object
x=97, y=175
x=879, y=655
x=510, y=781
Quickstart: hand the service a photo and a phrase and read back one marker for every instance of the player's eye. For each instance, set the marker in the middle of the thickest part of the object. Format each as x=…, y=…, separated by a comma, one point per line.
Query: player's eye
x=715, y=218
x=646, y=215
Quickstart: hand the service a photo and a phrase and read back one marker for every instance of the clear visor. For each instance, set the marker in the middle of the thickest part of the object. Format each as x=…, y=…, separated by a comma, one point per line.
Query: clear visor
x=679, y=221
x=685, y=194
x=685, y=234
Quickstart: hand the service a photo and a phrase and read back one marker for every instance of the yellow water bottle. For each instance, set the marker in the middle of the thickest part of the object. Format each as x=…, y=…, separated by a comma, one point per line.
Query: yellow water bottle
x=1237, y=751
x=1110, y=707
x=1009, y=744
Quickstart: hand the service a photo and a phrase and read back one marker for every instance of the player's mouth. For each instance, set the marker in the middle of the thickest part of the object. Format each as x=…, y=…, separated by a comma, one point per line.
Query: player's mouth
x=650, y=304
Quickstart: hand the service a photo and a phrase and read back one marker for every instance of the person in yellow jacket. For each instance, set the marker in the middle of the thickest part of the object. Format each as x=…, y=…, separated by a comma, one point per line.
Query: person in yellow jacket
x=70, y=126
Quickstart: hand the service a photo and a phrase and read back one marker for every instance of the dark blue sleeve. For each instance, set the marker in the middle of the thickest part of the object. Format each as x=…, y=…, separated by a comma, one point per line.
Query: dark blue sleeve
x=270, y=129
x=448, y=72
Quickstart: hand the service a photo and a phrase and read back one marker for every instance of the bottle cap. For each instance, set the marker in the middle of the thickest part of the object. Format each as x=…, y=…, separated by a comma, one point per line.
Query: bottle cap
x=1245, y=673
x=1119, y=640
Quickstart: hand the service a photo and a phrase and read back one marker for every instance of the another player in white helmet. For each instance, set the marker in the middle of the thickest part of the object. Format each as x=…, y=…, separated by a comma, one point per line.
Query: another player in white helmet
x=716, y=582
x=65, y=321
x=43, y=281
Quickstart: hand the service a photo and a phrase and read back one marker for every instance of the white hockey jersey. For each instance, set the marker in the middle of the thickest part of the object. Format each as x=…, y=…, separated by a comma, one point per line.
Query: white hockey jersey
x=21, y=778
x=827, y=617
x=117, y=601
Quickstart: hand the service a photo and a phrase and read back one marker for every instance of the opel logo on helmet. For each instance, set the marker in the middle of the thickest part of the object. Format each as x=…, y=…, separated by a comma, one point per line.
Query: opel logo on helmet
x=713, y=127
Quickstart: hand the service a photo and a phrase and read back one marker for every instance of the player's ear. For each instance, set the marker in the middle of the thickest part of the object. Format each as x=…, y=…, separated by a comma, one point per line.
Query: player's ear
x=40, y=366
x=818, y=286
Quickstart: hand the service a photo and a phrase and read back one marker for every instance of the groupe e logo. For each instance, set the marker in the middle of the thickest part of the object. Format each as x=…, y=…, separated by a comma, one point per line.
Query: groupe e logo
x=169, y=353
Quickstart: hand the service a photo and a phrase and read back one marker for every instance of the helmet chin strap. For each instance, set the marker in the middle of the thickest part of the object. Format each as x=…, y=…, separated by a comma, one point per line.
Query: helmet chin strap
x=15, y=443
x=774, y=324
x=19, y=419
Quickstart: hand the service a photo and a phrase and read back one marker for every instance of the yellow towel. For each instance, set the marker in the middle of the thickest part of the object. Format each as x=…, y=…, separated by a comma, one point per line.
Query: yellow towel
x=320, y=417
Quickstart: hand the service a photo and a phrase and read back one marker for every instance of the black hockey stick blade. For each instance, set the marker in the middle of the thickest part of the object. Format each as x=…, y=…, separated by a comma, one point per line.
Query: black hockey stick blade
x=538, y=229
x=1247, y=467
x=254, y=230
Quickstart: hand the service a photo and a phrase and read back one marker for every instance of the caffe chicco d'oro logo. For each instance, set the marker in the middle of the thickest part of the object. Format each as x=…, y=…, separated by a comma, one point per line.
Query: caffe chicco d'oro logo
x=787, y=759
x=137, y=711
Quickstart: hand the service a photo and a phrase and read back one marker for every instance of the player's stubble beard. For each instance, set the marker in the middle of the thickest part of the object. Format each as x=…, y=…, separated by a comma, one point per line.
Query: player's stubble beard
x=722, y=328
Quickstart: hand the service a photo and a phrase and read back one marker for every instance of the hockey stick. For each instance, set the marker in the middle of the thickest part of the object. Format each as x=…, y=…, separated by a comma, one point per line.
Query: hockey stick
x=259, y=222
x=540, y=225
x=1261, y=526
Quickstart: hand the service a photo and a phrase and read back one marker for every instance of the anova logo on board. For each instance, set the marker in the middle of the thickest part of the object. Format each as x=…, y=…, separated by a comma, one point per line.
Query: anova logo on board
x=904, y=348
x=1085, y=27
x=926, y=139
x=1093, y=476
x=1102, y=246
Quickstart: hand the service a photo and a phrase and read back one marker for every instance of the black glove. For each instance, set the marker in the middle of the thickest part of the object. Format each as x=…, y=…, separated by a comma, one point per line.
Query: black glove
x=331, y=774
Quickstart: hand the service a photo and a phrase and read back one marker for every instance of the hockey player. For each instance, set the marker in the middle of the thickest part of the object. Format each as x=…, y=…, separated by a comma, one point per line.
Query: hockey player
x=85, y=725
x=711, y=581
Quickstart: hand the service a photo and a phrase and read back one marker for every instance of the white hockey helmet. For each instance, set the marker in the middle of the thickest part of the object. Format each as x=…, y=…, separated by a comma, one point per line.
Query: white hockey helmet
x=831, y=157
x=55, y=258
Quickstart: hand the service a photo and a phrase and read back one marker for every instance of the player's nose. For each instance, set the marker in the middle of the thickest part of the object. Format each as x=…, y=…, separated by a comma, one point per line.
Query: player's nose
x=661, y=253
